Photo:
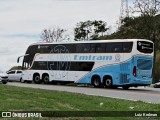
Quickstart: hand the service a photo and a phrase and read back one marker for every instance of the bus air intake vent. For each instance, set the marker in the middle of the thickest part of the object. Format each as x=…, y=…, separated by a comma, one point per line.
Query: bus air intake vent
x=124, y=78
x=144, y=64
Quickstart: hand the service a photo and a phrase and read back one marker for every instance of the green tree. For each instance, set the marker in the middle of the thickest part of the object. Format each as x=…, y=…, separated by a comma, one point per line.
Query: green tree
x=90, y=30
x=83, y=30
x=100, y=27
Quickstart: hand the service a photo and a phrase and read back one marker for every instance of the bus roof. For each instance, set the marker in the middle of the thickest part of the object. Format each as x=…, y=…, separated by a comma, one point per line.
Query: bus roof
x=90, y=41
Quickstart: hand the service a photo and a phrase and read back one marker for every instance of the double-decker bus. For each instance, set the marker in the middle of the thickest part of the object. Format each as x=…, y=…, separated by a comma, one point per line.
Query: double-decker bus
x=102, y=63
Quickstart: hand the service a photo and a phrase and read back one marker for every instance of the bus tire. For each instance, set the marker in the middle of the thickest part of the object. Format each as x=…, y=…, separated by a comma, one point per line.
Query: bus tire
x=36, y=79
x=4, y=82
x=46, y=79
x=96, y=82
x=107, y=82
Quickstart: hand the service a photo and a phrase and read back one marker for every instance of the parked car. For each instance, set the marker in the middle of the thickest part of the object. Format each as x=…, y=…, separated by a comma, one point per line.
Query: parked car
x=157, y=85
x=15, y=75
x=3, y=77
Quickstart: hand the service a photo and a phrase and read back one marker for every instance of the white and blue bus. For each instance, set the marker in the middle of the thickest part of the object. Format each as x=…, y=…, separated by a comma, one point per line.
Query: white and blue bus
x=110, y=63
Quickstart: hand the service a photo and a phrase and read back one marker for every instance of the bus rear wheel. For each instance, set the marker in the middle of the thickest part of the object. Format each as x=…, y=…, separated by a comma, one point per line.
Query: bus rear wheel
x=107, y=82
x=96, y=82
x=37, y=79
x=46, y=79
x=4, y=82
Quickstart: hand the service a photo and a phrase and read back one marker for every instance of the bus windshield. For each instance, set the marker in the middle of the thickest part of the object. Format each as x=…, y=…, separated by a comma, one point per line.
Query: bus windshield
x=27, y=61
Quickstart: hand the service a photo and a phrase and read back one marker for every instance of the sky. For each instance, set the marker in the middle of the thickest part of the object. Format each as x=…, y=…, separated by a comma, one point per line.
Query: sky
x=22, y=21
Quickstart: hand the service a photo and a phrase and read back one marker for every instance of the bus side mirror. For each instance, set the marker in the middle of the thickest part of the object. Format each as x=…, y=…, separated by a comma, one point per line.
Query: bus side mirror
x=18, y=59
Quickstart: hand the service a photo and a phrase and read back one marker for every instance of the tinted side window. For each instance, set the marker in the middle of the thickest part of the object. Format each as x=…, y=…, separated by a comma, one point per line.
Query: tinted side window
x=101, y=48
x=63, y=48
x=79, y=48
x=83, y=48
x=127, y=47
x=11, y=72
x=114, y=47
x=19, y=71
x=92, y=48
x=71, y=48
x=39, y=66
x=84, y=66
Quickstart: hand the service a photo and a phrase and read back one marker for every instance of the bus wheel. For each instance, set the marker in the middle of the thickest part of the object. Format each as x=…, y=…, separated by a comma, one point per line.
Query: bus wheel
x=36, y=79
x=46, y=79
x=108, y=82
x=96, y=82
x=125, y=87
x=4, y=82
